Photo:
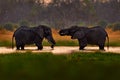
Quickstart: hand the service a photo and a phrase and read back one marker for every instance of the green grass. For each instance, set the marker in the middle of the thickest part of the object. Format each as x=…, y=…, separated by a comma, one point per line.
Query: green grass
x=5, y=43
x=45, y=43
x=58, y=43
x=114, y=43
x=46, y=66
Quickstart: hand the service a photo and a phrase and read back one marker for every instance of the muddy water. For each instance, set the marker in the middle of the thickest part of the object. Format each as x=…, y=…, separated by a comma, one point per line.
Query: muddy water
x=58, y=50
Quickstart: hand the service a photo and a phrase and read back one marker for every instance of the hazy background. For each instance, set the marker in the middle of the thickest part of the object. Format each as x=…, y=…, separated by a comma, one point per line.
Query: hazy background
x=60, y=13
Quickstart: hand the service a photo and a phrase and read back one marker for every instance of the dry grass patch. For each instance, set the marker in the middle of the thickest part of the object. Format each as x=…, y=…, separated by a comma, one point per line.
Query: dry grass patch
x=58, y=37
x=113, y=35
x=5, y=35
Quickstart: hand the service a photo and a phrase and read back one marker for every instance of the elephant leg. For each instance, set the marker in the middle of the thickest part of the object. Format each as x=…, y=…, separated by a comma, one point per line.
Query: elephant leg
x=22, y=47
x=101, y=47
x=82, y=44
x=81, y=48
x=40, y=47
x=18, y=47
x=101, y=44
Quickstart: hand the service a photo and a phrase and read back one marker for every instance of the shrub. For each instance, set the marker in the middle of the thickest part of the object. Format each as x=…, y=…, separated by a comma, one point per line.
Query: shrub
x=102, y=24
x=24, y=23
x=116, y=26
x=9, y=26
x=1, y=27
x=110, y=26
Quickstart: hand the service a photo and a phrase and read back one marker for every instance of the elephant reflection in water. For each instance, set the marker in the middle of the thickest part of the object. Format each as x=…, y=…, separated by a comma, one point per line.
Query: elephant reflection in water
x=35, y=35
x=95, y=35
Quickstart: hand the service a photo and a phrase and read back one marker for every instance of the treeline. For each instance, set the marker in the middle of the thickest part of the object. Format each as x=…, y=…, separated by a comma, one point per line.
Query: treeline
x=60, y=13
x=13, y=26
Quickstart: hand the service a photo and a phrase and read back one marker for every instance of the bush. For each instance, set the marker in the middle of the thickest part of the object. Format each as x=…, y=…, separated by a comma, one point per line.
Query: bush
x=116, y=26
x=1, y=27
x=110, y=26
x=9, y=26
x=24, y=23
x=102, y=24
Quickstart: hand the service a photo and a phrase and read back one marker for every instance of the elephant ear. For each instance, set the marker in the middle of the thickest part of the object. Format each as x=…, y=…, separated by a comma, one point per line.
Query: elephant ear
x=38, y=31
x=47, y=31
x=78, y=35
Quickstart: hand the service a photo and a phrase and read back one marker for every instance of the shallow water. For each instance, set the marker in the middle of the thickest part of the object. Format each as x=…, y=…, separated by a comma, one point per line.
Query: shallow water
x=58, y=49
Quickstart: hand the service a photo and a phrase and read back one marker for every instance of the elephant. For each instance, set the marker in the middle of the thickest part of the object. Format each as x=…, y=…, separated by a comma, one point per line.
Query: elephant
x=34, y=35
x=95, y=36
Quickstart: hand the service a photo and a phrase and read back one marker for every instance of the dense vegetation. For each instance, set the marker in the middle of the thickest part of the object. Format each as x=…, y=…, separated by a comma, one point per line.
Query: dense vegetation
x=60, y=13
x=46, y=66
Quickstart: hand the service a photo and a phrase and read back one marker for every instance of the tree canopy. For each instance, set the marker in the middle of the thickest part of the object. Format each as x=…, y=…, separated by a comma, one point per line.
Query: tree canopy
x=60, y=13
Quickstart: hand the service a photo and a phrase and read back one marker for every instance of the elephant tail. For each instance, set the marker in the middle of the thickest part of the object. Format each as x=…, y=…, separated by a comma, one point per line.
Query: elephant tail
x=13, y=41
x=107, y=42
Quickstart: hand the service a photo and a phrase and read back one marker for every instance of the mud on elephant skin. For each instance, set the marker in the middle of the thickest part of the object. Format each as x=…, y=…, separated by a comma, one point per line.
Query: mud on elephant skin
x=34, y=35
x=95, y=36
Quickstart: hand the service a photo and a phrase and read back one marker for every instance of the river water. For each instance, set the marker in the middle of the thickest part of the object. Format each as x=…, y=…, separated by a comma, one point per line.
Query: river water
x=59, y=50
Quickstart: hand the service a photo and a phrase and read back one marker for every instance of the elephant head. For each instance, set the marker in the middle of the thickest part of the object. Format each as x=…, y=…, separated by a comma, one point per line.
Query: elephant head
x=45, y=32
x=48, y=35
x=75, y=32
x=69, y=31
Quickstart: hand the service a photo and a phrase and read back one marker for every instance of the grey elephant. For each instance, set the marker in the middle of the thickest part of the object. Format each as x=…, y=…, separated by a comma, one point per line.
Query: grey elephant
x=95, y=36
x=35, y=35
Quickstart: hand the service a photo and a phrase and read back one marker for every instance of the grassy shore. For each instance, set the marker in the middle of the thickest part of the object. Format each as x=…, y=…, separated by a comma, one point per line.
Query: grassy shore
x=46, y=66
